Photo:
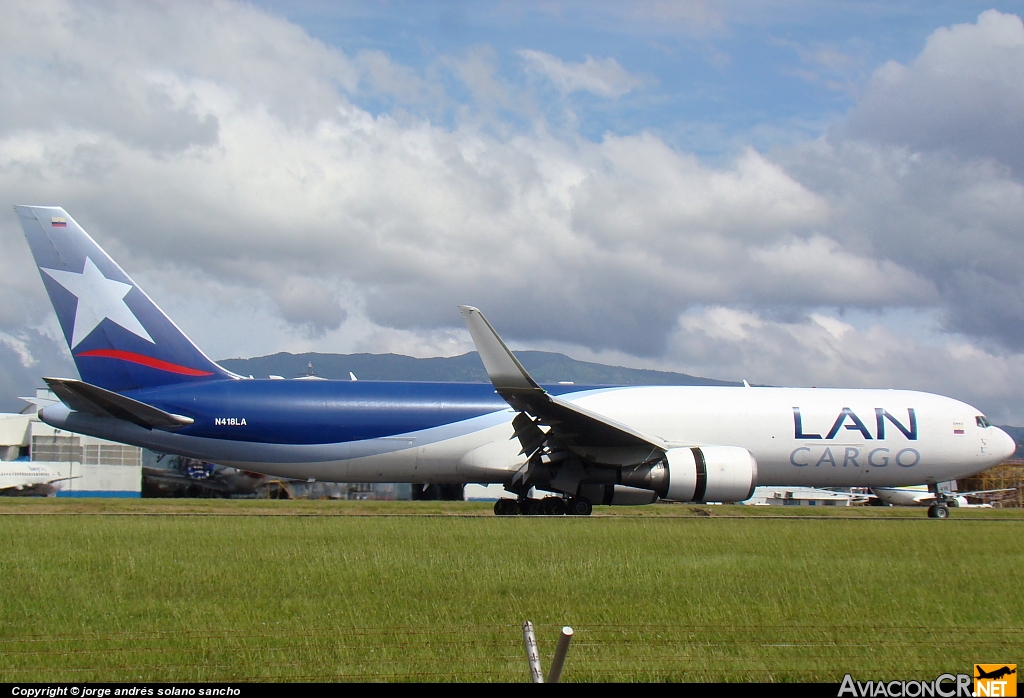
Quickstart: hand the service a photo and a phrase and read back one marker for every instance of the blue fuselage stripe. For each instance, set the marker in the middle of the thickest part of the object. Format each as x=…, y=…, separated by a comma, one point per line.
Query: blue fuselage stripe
x=311, y=412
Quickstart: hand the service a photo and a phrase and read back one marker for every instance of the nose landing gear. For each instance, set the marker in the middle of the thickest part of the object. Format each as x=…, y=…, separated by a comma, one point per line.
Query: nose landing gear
x=940, y=509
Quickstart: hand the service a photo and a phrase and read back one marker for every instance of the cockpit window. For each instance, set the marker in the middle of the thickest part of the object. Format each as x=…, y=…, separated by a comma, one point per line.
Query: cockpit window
x=982, y=422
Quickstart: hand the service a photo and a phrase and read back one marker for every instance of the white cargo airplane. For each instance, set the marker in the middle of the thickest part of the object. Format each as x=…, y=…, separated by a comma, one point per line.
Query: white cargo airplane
x=923, y=496
x=26, y=478
x=143, y=382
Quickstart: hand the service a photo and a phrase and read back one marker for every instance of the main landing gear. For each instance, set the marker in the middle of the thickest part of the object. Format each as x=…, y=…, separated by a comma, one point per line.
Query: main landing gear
x=549, y=506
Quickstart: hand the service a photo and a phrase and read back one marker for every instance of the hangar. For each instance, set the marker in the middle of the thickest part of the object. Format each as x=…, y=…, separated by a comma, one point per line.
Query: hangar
x=86, y=466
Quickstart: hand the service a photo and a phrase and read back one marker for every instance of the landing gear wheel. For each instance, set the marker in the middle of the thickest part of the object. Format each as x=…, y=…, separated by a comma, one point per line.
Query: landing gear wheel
x=580, y=507
x=553, y=506
x=530, y=507
x=938, y=511
x=506, y=507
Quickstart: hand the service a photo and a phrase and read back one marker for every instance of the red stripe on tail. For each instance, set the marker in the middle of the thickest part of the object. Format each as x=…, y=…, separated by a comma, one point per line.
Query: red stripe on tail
x=143, y=360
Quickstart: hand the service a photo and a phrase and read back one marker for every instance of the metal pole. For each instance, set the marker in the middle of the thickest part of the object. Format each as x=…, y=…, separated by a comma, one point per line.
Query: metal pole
x=559, y=661
x=531, y=653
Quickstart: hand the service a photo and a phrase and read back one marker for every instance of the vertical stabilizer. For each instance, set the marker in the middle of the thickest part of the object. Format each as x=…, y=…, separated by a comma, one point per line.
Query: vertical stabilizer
x=119, y=338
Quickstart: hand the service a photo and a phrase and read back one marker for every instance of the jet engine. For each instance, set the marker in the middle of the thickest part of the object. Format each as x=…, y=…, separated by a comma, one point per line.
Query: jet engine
x=698, y=474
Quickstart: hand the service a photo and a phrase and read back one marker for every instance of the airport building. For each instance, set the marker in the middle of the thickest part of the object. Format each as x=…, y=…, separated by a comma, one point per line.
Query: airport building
x=83, y=465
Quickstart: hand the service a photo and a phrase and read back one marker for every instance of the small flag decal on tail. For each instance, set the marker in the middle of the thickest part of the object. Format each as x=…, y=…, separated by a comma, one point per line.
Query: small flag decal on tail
x=56, y=222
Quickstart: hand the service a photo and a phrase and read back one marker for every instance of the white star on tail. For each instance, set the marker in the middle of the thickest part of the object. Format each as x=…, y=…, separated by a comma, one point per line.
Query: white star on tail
x=99, y=299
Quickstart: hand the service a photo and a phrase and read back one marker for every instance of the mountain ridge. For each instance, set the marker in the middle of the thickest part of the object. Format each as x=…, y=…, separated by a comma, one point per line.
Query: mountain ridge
x=545, y=367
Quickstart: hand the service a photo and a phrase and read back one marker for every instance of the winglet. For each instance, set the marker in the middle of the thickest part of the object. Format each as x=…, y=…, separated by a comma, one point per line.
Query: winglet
x=502, y=367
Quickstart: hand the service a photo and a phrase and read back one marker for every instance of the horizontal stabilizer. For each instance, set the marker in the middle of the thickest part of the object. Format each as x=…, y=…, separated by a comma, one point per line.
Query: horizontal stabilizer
x=83, y=397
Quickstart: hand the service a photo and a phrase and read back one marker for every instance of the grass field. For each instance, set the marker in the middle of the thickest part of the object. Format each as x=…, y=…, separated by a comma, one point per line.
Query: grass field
x=282, y=591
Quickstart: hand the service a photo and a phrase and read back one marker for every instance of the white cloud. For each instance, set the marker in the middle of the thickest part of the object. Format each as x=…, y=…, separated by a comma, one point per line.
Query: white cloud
x=821, y=350
x=478, y=71
x=23, y=359
x=835, y=66
x=420, y=219
x=134, y=71
x=963, y=93
x=385, y=76
x=20, y=347
x=800, y=269
x=952, y=222
x=602, y=77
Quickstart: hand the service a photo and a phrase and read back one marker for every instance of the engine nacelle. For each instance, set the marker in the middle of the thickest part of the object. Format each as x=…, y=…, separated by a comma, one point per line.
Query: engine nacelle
x=706, y=474
x=619, y=495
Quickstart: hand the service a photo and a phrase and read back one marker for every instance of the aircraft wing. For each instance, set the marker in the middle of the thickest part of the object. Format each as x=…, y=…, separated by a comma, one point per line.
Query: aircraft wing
x=592, y=436
x=85, y=397
x=975, y=493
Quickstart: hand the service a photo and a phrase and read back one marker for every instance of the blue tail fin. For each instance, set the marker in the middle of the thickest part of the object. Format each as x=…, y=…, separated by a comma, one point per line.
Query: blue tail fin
x=119, y=338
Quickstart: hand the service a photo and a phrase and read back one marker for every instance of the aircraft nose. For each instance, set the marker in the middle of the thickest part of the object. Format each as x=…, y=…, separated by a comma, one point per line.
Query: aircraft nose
x=1004, y=445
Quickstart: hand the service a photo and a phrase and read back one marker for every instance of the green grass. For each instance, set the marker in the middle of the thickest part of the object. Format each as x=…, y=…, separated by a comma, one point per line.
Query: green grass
x=365, y=597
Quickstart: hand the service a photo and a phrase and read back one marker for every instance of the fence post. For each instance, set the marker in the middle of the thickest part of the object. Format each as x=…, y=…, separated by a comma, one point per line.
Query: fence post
x=559, y=661
x=531, y=653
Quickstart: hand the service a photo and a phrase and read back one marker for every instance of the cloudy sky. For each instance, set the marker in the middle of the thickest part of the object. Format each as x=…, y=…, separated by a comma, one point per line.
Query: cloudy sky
x=793, y=193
